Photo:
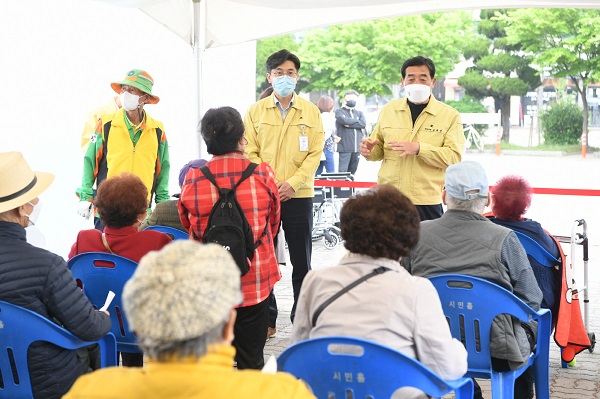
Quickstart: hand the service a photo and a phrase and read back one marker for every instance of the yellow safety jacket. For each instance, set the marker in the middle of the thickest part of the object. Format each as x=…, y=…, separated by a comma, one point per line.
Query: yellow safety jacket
x=292, y=147
x=438, y=129
x=211, y=376
x=148, y=158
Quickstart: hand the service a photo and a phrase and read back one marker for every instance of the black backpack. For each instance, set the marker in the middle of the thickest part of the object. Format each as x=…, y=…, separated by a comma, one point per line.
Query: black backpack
x=227, y=224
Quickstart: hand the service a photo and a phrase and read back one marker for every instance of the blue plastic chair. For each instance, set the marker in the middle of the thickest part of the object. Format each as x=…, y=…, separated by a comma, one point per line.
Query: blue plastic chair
x=19, y=328
x=470, y=304
x=536, y=251
x=175, y=234
x=337, y=366
x=97, y=273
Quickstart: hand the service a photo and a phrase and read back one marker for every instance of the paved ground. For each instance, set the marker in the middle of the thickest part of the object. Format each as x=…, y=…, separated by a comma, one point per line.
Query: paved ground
x=580, y=381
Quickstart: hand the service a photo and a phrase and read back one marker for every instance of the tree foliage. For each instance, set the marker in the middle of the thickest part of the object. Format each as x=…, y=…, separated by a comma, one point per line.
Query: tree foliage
x=266, y=47
x=476, y=48
x=467, y=104
x=567, y=41
x=367, y=56
x=500, y=69
x=561, y=123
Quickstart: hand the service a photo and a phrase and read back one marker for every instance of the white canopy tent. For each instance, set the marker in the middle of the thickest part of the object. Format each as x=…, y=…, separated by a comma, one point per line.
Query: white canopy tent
x=223, y=22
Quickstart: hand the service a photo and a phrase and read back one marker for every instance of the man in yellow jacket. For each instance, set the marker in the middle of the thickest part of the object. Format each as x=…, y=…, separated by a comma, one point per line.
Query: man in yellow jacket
x=417, y=138
x=136, y=144
x=183, y=314
x=286, y=131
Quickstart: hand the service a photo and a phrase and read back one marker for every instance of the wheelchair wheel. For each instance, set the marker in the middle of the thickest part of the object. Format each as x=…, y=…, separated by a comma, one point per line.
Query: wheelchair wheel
x=330, y=239
x=592, y=337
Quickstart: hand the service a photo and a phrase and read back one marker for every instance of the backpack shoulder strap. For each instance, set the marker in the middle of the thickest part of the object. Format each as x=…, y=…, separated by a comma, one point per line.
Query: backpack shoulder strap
x=247, y=173
x=208, y=174
x=211, y=178
x=107, y=127
x=105, y=131
x=103, y=162
x=153, y=190
x=379, y=270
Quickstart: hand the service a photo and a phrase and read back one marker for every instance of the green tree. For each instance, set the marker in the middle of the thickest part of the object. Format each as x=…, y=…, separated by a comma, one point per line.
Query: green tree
x=565, y=40
x=500, y=70
x=467, y=104
x=367, y=56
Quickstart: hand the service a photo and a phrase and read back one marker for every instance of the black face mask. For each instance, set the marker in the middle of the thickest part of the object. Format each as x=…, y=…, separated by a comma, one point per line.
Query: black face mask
x=351, y=104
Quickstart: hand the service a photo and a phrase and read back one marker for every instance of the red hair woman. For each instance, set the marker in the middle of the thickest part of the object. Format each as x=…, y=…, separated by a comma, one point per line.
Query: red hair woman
x=511, y=198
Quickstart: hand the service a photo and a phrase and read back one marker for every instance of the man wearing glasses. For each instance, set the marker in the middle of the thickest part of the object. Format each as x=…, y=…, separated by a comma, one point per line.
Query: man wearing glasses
x=128, y=140
x=286, y=131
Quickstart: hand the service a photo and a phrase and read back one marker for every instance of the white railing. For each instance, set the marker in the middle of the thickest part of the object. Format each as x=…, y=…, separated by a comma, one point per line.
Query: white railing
x=472, y=135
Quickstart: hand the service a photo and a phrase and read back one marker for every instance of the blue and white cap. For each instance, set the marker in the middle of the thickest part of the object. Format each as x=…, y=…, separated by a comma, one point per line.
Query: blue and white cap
x=466, y=181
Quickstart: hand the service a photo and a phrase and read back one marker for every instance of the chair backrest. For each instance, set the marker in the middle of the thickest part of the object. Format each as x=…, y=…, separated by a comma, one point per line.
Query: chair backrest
x=470, y=304
x=19, y=328
x=174, y=233
x=97, y=273
x=352, y=368
x=536, y=251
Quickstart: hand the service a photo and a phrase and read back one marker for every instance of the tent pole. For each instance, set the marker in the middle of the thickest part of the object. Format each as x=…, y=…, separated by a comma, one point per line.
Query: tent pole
x=199, y=38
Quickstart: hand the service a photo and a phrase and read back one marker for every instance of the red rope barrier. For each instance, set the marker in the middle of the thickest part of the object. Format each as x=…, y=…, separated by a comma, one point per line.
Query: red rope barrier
x=567, y=191
x=344, y=183
x=550, y=191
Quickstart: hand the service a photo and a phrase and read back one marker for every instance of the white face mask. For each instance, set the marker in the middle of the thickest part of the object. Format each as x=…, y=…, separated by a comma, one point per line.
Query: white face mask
x=35, y=213
x=129, y=101
x=417, y=93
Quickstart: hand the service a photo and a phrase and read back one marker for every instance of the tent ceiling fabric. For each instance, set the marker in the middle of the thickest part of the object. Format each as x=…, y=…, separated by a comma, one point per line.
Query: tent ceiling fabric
x=175, y=15
x=237, y=21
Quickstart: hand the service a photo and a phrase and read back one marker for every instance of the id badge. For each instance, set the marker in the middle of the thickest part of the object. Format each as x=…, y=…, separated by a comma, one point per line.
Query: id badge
x=303, y=143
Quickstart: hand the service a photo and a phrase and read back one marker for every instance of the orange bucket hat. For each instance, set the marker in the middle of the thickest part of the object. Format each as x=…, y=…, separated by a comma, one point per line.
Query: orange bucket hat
x=140, y=80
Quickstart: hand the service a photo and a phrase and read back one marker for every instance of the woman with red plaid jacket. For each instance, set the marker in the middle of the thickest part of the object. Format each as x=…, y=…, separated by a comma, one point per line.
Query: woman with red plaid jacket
x=223, y=132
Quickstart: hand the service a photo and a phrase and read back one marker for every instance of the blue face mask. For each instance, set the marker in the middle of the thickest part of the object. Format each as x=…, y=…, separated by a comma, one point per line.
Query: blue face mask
x=284, y=85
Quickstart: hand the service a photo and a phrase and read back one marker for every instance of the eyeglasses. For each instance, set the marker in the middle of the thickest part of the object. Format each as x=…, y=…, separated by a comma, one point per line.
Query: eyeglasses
x=279, y=72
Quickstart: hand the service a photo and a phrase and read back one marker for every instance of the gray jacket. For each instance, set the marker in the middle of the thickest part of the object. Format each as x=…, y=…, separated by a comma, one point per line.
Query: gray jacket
x=467, y=243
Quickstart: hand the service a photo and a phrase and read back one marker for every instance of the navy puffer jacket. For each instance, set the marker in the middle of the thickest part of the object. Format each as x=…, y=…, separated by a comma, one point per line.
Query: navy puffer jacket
x=40, y=281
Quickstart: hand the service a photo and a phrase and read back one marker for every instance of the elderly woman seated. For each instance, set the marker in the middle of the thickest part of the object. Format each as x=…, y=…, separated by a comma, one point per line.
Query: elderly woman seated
x=40, y=281
x=181, y=301
x=121, y=202
x=396, y=309
x=511, y=198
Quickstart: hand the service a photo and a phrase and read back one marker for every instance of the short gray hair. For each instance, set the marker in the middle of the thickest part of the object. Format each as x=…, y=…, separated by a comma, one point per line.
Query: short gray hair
x=476, y=205
x=163, y=350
